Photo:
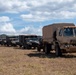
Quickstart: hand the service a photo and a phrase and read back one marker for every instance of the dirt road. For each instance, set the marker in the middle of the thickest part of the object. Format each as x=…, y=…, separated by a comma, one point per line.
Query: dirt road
x=15, y=61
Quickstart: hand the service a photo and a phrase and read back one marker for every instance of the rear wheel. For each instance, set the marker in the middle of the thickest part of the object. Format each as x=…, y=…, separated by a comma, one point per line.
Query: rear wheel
x=47, y=48
x=24, y=47
x=28, y=47
x=7, y=45
x=20, y=46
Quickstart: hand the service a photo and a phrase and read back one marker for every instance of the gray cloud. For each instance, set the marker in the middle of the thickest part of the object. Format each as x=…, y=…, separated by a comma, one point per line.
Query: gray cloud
x=52, y=9
x=37, y=5
x=12, y=6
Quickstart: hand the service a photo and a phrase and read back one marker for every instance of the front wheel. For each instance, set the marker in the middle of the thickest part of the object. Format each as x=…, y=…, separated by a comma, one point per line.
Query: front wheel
x=38, y=48
x=58, y=50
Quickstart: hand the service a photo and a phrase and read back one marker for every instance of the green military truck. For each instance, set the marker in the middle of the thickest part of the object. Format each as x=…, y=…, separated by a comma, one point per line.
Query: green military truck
x=3, y=39
x=13, y=40
x=28, y=41
x=60, y=37
x=9, y=40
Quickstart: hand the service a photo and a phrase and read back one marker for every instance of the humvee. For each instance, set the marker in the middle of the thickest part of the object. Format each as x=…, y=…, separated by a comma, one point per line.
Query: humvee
x=60, y=37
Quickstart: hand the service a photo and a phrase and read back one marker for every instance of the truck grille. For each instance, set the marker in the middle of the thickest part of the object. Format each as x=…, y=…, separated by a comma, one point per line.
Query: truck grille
x=73, y=42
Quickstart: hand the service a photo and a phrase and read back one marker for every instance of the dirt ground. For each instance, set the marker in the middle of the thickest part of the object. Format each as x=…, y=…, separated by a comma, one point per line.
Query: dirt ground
x=16, y=61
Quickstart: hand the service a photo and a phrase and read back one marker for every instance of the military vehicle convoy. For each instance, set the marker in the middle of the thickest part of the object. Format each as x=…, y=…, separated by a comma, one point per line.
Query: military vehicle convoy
x=24, y=41
x=60, y=37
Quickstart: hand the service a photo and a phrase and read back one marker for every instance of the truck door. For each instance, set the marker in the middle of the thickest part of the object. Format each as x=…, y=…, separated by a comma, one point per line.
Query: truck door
x=60, y=35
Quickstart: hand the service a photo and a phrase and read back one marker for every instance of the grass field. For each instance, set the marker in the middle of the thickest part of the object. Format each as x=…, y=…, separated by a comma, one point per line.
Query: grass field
x=15, y=61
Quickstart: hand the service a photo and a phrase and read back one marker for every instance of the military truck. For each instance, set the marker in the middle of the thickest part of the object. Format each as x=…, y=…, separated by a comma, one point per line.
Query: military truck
x=9, y=40
x=14, y=40
x=3, y=39
x=60, y=37
x=0, y=41
x=28, y=41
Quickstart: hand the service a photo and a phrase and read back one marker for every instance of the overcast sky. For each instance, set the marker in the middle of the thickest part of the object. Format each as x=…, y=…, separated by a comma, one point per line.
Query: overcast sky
x=29, y=16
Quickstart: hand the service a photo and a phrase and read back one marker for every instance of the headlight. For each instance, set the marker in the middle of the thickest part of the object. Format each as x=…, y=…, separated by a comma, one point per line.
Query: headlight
x=66, y=46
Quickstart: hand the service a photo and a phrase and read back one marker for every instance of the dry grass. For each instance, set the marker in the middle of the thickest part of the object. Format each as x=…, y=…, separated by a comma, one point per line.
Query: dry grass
x=14, y=61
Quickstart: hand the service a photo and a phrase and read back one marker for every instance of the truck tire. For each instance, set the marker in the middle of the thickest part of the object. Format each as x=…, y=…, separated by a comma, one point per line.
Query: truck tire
x=7, y=45
x=24, y=47
x=28, y=47
x=58, y=50
x=43, y=49
x=38, y=49
x=20, y=46
x=46, y=48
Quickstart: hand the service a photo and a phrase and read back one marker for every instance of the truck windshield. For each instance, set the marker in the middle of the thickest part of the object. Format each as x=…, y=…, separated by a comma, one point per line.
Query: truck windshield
x=75, y=31
x=68, y=32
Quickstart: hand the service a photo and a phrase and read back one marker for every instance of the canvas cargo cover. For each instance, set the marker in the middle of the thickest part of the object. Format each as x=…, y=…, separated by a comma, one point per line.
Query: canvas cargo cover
x=49, y=29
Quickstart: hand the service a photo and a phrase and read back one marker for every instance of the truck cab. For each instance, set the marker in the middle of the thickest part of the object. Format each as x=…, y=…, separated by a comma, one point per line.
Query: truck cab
x=67, y=37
